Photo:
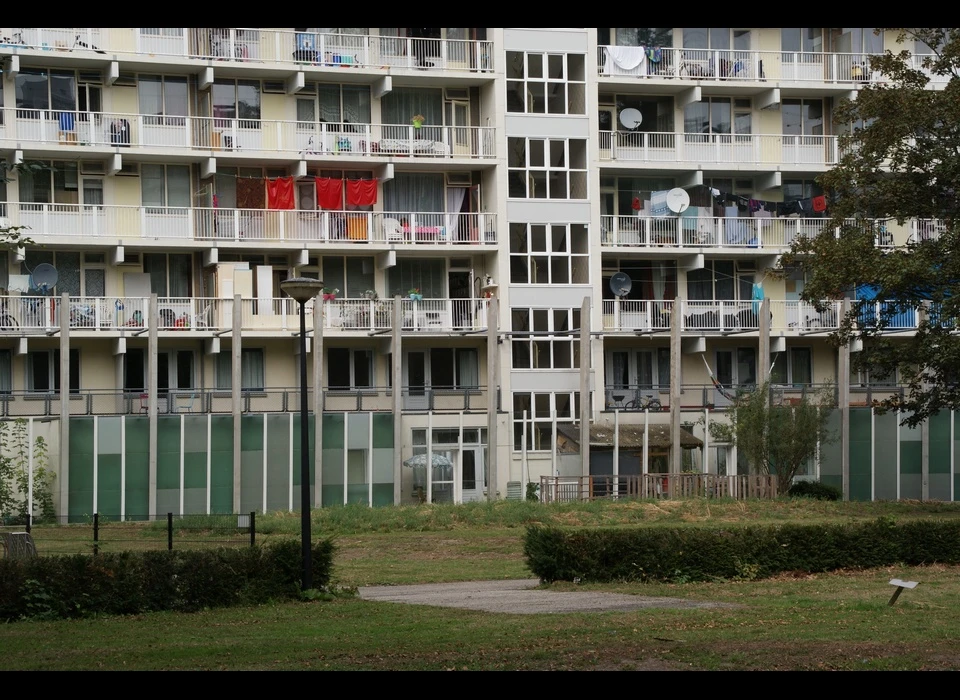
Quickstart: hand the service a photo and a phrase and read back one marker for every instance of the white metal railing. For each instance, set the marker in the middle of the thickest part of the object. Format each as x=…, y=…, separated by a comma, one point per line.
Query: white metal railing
x=636, y=315
x=426, y=315
x=207, y=223
x=705, y=232
x=668, y=147
x=271, y=46
x=801, y=316
x=230, y=135
x=734, y=65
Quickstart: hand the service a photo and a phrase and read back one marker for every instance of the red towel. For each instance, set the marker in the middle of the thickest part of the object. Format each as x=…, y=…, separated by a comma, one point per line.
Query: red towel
x=362, y=192
x=820, y=203
x=280, y=193
x=330, y=193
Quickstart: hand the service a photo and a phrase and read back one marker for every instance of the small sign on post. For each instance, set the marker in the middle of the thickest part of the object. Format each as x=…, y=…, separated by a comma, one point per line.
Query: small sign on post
x=900, y=586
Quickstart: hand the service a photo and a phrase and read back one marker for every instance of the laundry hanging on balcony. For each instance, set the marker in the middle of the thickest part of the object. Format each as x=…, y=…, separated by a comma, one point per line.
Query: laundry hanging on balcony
x=362, y=192
x=329, y=193
x=251, y=193
x=280, y=193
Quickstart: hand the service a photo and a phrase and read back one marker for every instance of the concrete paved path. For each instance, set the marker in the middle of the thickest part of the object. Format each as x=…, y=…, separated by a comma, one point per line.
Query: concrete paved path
x=520, y=597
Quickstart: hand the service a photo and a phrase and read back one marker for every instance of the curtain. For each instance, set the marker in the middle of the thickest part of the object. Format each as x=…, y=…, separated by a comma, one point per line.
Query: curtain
x=362, y=193
x=426, y=274
x=455, y=197
x=410, y=193
x=398, y=106
x=659, y=280
x=180, y=275
x=467, y=368
x=328, y=97
x=251, y=370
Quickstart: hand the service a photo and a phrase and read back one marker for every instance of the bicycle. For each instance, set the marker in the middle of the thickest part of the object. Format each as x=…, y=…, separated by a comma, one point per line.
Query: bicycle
x=644, y=403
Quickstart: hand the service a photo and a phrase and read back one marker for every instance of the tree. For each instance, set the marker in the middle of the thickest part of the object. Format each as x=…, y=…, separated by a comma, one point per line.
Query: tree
x=778, y=438
x=12, y=237
x=900, y=161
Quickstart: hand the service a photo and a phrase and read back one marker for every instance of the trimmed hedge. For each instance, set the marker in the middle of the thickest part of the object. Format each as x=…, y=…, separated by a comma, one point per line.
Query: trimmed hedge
x=125, y=583
x=815, y=489
x=703, y=554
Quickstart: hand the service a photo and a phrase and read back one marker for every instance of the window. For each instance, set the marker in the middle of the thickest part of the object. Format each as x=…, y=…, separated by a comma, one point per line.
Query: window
x=352, y=275
x=43, y=371
x=858, y=41
x=236, y=99
x=549, y=254
x=399, y=105
x=716, y=39
x=642, y=369
x=251, y=370
x=539, y=83
x=336, y=104
x=796, y=190
x=74, y=278
x=541, y=410
x=725, y=280
x=45, y=89
x=545, y=338
x=717, y=115
x=547, y=168
x=412, y=193
x=164, y=185
x=426, y=274
x=863, y=377
x=57, y=182
x=802, y=117
x=795, y=40
x=164, y=99
x=642, y=36
x=793, y=367
x=349, y=369
x=169, y=273
x=6, y=372
x=651, y=279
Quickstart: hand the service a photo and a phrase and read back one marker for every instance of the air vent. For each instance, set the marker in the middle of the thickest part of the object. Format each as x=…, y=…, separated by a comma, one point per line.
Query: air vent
x=456, y=93
x=459, y=179
x=131, y=259
x=126, y=80
x=92, y=167
x=274, y=86
x=129, y=170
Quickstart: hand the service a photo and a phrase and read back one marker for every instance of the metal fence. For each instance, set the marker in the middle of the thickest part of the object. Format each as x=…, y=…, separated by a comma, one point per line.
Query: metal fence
x=102, y=532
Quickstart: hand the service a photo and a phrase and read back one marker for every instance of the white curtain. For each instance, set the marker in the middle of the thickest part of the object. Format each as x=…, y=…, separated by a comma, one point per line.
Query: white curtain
x=411, y=193
x=455, y=197
x=659, y=280
x=398, y=106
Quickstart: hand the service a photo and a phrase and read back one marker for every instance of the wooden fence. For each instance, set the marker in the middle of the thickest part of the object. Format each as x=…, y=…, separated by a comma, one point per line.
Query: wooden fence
x=554, y=489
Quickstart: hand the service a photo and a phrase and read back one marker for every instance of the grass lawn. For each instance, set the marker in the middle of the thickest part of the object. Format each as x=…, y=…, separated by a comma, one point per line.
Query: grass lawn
x=824, y=621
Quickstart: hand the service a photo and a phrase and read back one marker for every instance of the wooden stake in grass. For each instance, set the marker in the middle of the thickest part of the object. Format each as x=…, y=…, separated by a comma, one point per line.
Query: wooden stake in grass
x=900, y=586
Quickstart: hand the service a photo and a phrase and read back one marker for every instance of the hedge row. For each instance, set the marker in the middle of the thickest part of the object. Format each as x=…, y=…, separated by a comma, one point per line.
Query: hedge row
x=703, y=554
x=136, y=582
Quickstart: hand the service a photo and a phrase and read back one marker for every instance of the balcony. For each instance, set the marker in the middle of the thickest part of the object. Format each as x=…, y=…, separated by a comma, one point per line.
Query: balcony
x=89, y=132
x=744, y=151
x=261, y=47
x=131, y=223
x=39, y=315
x=618, y=63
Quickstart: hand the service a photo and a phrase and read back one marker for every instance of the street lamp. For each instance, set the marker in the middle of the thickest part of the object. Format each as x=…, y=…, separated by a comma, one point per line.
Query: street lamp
x=302, y=290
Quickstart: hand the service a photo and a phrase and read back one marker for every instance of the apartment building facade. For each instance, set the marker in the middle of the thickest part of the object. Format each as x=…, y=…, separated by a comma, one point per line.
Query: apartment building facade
x=488, y=209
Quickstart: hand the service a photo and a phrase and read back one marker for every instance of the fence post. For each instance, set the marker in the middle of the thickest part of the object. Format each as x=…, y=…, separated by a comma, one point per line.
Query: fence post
x=96, y=533
x=253, y=528
x=170, y=531
x=29, y=521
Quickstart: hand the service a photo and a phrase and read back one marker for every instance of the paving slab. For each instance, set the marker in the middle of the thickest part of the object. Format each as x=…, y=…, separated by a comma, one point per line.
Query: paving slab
x=521, y=597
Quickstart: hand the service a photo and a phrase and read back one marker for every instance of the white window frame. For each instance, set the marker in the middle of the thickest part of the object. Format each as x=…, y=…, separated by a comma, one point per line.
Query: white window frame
x=536, y=246
x=555, y=89
x=223, y=369
x=543, y=333
x=538, y=166
x=352, y=370
x=540, y=417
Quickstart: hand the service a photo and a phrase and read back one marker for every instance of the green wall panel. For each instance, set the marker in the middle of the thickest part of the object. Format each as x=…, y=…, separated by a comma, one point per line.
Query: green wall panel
x=221, y=464
x=830, y=465
x=195, y=501
x=195, y=470
x=195, y=433
x=383, y=431
x=333, y=431
x=279, y=461
x=940, y=444
x=80, y=470
x=910, y=452
x=108, y=486
x=885, y=457
x=251, y=481
x=137, y=469
x=168, y=501
x=861, y=440
x=940, y=487
x=251, y=435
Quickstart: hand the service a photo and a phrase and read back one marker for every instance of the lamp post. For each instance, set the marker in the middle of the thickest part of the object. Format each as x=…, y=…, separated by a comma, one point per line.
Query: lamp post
x=301, y=290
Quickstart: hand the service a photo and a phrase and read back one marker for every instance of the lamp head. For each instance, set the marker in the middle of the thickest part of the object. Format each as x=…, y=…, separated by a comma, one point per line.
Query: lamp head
x=301, y=289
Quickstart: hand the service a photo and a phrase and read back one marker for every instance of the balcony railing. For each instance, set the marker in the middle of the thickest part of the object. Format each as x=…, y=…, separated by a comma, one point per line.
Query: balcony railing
x=41, y=314
x=221, y=224
x=734, y=65
x=263, y=46
x=657, y=148
x=109, y=130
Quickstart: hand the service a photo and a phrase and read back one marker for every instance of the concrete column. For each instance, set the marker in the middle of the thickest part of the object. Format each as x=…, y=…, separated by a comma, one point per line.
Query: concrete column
x=763, y=360
x=843, y=399
x=676, y=378
x=237, y=399
x=153, y=320
x=923, y=315
x=64, y=476
x=397, y=395
x=585, y=403
x=493, y=381
x=318, y=382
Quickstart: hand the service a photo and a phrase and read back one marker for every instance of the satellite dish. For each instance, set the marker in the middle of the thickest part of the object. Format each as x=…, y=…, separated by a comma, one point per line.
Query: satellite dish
x=44, y=278
x=620, y=284
x=630, y=118
x=677, y=200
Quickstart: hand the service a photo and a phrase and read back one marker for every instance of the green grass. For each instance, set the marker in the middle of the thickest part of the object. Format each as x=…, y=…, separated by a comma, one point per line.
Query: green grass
x=824, y=621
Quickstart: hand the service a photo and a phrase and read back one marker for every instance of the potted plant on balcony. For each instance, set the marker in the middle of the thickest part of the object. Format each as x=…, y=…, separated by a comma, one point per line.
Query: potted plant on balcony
x=415, y=294
x=330, y=293
x=417, y=120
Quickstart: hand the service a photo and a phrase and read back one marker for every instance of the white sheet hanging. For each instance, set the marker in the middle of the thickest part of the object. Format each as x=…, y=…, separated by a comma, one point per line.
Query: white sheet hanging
x=624, y=60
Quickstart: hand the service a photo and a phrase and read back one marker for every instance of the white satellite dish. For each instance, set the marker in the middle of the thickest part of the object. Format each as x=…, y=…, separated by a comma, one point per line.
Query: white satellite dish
x=44, y=278
x=677, y=200
x=620, y=284
x=630, y=118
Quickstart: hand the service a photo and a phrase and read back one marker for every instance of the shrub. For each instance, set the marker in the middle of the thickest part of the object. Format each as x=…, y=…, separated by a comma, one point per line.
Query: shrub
x=815, y=489
x=119, y=583
x=703, y=554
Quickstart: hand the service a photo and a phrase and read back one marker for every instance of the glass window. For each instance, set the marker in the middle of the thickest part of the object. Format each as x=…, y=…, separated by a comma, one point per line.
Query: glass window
x=251, y=369
x=43, y=371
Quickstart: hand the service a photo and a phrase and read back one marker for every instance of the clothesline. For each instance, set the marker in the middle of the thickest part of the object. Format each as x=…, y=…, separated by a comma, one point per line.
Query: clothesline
x=278, y=193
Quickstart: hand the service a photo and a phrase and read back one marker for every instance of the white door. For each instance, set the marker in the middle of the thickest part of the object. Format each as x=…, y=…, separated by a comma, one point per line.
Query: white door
x=458, y=128
x=473, y=475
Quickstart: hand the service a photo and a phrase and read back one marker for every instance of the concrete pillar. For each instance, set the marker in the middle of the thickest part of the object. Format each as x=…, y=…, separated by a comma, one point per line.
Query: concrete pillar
x=676, y=379
x=153, y=321
x=317, y=400
x=585, y=402
x=64, y=476
x=923, y=315
x=237, y=399
x=763, y=359
x=397, y=373
x=493, y=384
x=843, y=400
